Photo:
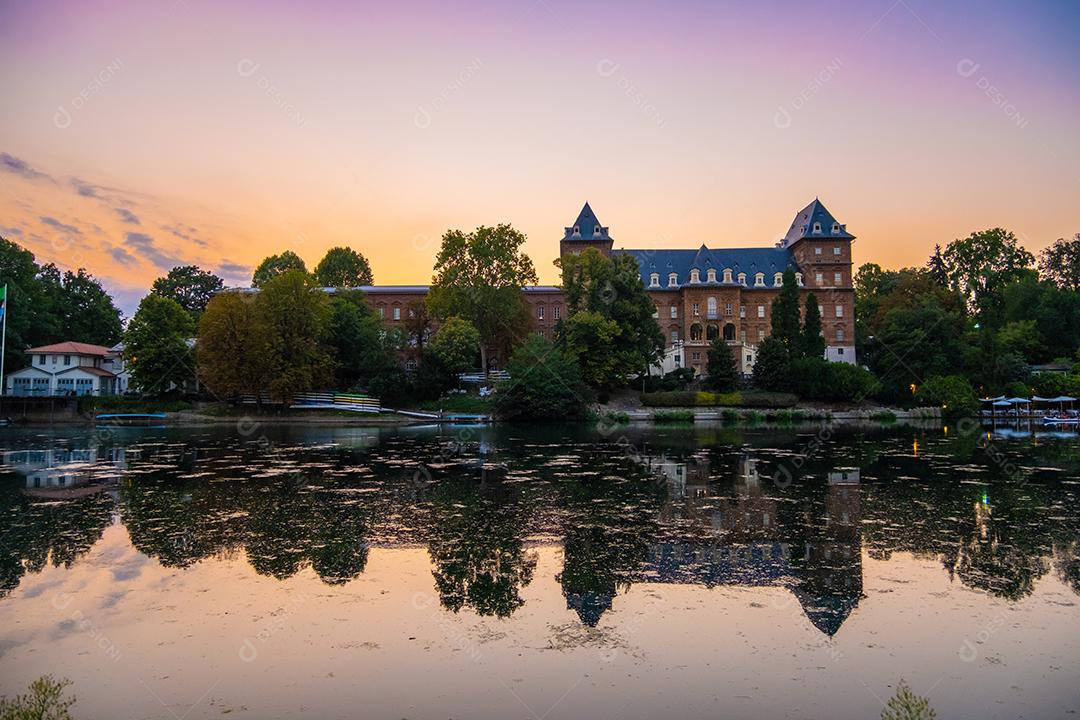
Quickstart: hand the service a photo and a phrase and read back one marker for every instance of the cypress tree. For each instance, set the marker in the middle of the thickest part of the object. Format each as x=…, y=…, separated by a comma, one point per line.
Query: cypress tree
x=721, y=367
x=813, y=342
x=785, y=315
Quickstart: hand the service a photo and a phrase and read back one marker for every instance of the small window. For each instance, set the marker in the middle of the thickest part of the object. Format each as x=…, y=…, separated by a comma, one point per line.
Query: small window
x=727, y=309
x=695, y=309
x=817, y=227
x=540, y=312
x=819, y=278
x=838, y=278
x=761, y=334
x=798, y=279
x=382, y=312
x=710, y=275
x=836, y=228
x=52, y=359
x=674, y=337
x=654, y=280
x=759, y=280
x=761, y=311
x=67, y=359
x=397, y=313
x=742, y=278
x=727, y=275
x=817, y=250
x=695, y=276
x=839, y=351
x=742, y=311
x=839, y=311
x=674, y=312
x=557, y=312
x=742, y=336
x=596, y=230
x=778, y=279
x=41, y=359
x=836, y=251
x=839, y=334
x=672, y=279
x=577, y=230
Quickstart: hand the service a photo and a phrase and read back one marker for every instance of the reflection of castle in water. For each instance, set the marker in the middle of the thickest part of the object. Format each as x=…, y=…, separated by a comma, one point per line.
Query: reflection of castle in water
x=741, y=539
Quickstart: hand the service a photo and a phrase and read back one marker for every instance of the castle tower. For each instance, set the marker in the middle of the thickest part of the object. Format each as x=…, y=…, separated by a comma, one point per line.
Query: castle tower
x=586, y=232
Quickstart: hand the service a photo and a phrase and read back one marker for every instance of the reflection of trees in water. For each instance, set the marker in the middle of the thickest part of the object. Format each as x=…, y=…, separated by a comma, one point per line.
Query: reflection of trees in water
x=37, y=532
x=476, y=543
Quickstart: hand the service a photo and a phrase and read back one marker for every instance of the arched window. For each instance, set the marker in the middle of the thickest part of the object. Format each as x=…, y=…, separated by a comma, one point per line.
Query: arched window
x=778, y=279
x=710, y=307
x=729, y=332
x=596, y=230
x=695, y=332
x=695, y=276
x=712, y=332
x=654, y=280
x=759, y=280
x=710, y=275
x=577, y=230
x=727, y=275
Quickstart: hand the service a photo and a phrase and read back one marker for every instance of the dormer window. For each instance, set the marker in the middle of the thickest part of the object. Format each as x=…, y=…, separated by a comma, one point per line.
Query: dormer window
x=695, y=276
x=759, y=280
x=577, y=230
x=672, y=279
x=654, y=280
x=710, y=274
x=798, y=279
x=727, y=275
x=836, y=228
x=742, y=279
x=778, y=279
x=596, y=230
x=817, y=228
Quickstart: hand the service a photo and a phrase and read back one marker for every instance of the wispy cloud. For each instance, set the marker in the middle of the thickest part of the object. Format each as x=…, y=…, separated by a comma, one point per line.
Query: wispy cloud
x=144, y=245
x=122, y=256
x=20, y=167
x=59, y=226
x=84, y=188
x=127, y=216
x=10, y=231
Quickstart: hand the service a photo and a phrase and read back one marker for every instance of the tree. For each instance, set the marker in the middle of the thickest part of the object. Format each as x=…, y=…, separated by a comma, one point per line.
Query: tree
x=30, y=321
x=343, y=267
x=785, y=315
x=295, y=316
x=720, y=369
x=772, y=366
x=232, y=346
x=156, y=345
x=813, y=342
x=190, y=286
x=953, y=393
x=276, y=265
x=544, y=384
x=478, y=277
x=456, y=344
x=906, y=705
x=1060, y=263
x=364, y=350
x=980, y=265
x=610, y=291
x=83, y=311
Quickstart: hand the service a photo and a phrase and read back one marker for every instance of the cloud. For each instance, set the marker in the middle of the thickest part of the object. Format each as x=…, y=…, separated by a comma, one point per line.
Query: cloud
x=20, y=167
x=10, y=231
x=57, y=225
x=144, y=245
x=122, y=256
x=231, y=268
x=84, y=188
x=127, y=216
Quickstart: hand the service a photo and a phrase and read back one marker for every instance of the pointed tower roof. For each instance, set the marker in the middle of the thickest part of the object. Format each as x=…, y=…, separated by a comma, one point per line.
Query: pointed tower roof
x=587, y=227
x=815, y=215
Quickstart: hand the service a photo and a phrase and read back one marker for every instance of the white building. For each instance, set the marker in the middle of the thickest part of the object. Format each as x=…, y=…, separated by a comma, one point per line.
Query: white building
x=70, y=368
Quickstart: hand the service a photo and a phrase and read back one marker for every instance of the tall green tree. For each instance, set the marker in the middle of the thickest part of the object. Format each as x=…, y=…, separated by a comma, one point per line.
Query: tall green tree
x=363, y=349
x=721, y=375
x=295, y=315
x=813, y=342
x=772, y=367
x=544, y=384
x=785, y=315
x=276, y=265
x=343, y=267
x=156, y=345
x=30, y=321
x=981, y=265
x=456, y=345
x=83, y=311
x=478, y=277
x=190, y=286
x=1060, y=263
x=232, y=347
x=618, y=338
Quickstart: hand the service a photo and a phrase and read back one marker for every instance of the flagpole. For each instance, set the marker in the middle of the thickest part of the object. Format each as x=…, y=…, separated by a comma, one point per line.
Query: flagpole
x=3, y=343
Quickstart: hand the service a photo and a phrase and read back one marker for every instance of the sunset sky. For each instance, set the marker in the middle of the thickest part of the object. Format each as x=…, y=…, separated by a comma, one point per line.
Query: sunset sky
x=140, y=135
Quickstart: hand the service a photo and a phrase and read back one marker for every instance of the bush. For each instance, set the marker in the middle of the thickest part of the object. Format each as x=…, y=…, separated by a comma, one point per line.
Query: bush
x=906, y=705
x=885, y=416
x=772, y=366
x=544, y=384
x=818, y=379
x=44, y=701
x=677, y=379
x=729, y=417
x=753, y=398
x=673, y=416
x=953, y=393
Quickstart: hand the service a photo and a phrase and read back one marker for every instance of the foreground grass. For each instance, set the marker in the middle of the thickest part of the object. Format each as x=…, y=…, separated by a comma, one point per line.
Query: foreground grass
x=459, y=403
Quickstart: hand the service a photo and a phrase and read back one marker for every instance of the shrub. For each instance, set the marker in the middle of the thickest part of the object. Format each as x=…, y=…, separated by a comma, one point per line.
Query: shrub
x=729, y=417
x=677, y=379
x=906, y=705
x=670, y=399
x=885, y=416
x=544, y=384
x=673, y=416
x=753, y=398
x=753, y=417
x=818, y=379
x=952, y=392
x=772, y=366
x=44, y=701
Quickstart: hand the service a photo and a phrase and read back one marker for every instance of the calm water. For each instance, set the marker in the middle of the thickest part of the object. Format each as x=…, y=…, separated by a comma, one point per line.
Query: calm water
x=541, y=572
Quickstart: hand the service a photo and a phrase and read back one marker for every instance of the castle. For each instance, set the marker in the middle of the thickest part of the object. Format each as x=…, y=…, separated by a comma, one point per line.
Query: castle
x=703, y=293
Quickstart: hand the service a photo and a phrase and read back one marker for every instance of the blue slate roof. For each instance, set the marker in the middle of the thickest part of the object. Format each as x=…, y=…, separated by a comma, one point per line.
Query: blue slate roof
x=815, y=213
x=588, y=226
x=751, y=261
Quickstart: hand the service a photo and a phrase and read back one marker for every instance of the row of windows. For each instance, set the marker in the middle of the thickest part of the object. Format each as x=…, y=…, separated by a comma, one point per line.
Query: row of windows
x=835, y=250
x=695, y=278
x=838, y=278
x=556, y=312
x=712, y=332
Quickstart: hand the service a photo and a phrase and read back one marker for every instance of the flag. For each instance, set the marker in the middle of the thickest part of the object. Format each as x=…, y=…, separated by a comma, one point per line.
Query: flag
x=3, y=302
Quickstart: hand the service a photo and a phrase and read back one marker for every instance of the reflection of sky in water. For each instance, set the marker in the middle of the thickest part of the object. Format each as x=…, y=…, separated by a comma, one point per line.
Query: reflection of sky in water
x=642, y=565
